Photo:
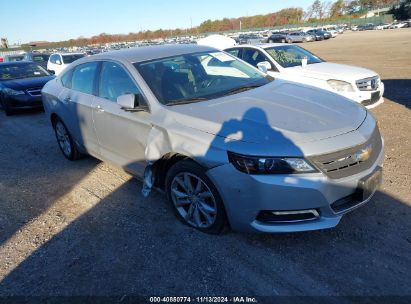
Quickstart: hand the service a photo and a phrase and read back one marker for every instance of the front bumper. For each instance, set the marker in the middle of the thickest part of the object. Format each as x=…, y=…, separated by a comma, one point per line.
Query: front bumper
x=24, y=101
x=366, y=97
x=246, y=196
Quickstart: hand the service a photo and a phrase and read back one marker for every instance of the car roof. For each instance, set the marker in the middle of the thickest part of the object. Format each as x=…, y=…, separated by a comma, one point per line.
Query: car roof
x=13, y=55
x=22, y=62
x=259, y=45
x=145, y=53
x=63, y=54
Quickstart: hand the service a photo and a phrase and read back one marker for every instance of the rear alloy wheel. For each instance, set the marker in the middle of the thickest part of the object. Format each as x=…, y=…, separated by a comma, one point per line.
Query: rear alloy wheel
x=65, y=141
x=194, y=198
x=282, y=40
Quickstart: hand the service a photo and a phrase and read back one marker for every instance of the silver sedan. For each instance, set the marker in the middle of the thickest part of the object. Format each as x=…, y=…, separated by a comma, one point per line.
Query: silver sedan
x=231, y=146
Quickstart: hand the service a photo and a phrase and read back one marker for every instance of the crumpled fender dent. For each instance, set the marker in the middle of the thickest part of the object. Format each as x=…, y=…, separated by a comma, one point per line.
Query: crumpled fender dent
x=199, y=146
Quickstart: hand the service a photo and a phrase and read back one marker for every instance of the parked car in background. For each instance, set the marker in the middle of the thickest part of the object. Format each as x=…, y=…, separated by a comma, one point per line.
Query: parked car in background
x=319, y=35
x=366, y=27
x=229, y=145
x=379, y=26
x=299, y=37
x=39, y=58
x=21, y=84
x=286, y=62
x=331, y=31
x=58, y=61
x=325, y=34
x=397, y=24
x=277, y=37
x=249, y=39
x=340, y=29
x=13, y=58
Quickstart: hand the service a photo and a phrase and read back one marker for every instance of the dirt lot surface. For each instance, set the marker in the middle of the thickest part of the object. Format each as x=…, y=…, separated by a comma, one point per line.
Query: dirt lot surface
x=83, y=228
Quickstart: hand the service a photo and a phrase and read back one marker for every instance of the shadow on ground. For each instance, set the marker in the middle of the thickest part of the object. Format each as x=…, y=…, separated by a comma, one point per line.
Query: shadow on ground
x=125, y=246
x=398, y=90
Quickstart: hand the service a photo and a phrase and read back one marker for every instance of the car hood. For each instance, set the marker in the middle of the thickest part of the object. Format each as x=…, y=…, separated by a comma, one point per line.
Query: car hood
x=327, y=70
x=280, y=109
x=26, y=83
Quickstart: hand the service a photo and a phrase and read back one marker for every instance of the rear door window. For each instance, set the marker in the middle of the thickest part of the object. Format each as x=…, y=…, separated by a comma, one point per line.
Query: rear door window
x=234, y=52
x=83, y=77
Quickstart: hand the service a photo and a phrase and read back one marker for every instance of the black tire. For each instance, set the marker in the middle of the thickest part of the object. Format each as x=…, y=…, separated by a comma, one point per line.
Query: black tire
x=6, y=107
x=190, y=167
x=71, y=154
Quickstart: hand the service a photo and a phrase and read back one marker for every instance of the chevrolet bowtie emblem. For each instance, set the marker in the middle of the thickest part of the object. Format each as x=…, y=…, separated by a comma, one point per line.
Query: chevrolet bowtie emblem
x=363, y=154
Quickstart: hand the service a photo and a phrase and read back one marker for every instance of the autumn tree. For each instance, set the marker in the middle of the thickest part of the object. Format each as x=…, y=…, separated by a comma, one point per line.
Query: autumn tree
x=337, y=9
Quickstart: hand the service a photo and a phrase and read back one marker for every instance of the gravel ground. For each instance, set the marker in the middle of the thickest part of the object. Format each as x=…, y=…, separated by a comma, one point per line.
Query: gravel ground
x=83, y=228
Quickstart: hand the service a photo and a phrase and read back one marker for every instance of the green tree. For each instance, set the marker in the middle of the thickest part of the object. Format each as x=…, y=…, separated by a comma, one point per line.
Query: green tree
x=403, y=11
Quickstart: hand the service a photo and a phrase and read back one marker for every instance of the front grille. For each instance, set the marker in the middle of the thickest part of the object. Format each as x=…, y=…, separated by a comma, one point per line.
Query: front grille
x=375, y=97
x=350, y=161
x=368, y=84
x=34, y=91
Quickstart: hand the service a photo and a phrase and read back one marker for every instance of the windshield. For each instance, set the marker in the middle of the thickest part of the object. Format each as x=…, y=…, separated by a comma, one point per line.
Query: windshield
x=41, y=58
x=17, y=71
x=70, y=58
x=198, y=77
x=291, y=55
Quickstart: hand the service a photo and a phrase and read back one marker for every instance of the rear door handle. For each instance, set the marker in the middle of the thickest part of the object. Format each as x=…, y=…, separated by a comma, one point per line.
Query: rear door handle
x=99, y=108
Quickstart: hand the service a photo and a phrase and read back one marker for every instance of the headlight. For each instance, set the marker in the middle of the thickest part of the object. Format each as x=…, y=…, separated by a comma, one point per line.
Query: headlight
x=341, y=86
x=270, y=165
x=12, y=92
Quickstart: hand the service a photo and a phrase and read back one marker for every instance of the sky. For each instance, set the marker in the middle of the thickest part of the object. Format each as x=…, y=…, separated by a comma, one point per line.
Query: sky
x=55, y=20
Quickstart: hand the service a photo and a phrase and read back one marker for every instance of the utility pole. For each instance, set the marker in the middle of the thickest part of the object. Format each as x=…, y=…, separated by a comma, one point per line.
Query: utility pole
x=241, y=25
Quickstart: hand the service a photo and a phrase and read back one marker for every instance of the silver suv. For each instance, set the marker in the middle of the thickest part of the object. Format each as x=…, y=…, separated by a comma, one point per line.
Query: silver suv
x=229, y=145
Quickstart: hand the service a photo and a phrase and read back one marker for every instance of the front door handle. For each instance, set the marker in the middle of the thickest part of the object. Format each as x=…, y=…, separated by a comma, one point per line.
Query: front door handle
x=99, y=108
x=68, y=99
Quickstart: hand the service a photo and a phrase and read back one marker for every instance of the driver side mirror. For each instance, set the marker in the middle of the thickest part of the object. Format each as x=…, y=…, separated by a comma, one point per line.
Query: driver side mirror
x=264, y=66
x=58, y=62
x=132, y=102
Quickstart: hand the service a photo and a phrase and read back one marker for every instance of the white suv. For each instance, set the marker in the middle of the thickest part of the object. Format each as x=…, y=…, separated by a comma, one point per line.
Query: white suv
x=58, y=61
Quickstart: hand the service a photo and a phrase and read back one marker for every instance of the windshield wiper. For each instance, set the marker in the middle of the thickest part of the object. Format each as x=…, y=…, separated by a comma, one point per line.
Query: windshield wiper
x=241, y=89
x=185, y=101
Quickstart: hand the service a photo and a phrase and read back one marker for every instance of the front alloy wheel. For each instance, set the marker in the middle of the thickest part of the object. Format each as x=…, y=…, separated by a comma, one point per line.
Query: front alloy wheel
x=194, y=198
